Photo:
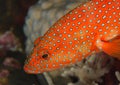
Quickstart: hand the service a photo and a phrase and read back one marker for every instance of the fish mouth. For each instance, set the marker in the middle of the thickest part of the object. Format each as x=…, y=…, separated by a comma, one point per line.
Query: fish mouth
x=30, y=70
x=30, y=67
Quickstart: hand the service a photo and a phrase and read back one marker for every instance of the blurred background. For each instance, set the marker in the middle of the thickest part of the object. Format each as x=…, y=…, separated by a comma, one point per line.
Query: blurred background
x=12, y=42
x=21, y=22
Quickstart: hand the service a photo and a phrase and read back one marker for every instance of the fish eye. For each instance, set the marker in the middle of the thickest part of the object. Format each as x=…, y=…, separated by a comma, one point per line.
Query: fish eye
x=45, y=56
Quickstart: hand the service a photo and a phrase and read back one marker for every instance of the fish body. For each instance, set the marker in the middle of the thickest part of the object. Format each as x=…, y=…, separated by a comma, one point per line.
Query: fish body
x=91, y=27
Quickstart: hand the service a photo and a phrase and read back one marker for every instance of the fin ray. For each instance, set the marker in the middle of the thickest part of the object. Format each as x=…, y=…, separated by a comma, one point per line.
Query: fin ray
x=111, y=47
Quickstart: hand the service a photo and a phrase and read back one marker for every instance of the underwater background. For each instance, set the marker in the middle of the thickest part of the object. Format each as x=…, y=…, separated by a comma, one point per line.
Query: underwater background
x=21, y=22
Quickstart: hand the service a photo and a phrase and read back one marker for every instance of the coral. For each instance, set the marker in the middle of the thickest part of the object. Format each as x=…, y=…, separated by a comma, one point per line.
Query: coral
x=4, y=73
x=11, y=62
x=8, y=42
x=6, y=67
x=90, y=70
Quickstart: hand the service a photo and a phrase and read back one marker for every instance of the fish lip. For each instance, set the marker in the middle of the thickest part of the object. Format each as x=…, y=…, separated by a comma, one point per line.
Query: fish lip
x=30, y=71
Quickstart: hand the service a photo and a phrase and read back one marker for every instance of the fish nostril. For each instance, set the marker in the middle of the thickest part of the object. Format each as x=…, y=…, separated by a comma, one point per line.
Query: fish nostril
x=45, y=56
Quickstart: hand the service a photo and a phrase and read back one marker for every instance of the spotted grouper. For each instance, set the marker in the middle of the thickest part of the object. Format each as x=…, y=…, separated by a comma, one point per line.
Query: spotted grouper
x=89, y=28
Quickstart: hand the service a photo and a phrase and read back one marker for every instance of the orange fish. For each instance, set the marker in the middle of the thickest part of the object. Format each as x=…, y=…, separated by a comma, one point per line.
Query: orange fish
x=90, y=28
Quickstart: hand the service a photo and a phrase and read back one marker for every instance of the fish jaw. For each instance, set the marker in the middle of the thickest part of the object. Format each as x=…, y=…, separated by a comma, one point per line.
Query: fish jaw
x=30, y=66
x=35, y=64
x=37, y=67
x=30, y=71
x=43, y=66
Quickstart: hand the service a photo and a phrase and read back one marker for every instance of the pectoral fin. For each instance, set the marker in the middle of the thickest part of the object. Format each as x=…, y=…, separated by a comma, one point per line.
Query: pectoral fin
x=111, y=47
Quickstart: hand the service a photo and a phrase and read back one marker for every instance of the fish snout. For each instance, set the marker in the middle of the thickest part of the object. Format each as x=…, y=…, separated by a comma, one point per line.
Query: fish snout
x=31, y=69
x=31, y=65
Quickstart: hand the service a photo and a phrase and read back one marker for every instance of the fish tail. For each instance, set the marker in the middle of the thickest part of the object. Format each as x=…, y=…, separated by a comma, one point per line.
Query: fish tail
x=111, y=47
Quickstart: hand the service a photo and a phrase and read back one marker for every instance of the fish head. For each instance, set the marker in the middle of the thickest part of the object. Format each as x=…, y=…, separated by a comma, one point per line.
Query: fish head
x=42, y=59
x=38, y=61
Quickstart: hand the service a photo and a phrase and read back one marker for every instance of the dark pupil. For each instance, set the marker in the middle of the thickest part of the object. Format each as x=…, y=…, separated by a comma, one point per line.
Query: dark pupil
x=45, y=56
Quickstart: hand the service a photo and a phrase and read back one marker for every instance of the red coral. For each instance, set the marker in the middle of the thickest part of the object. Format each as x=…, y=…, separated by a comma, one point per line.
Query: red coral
x=4, y=73
x=8, y=41
x=11, y=62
